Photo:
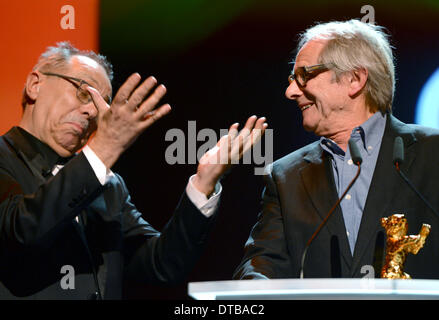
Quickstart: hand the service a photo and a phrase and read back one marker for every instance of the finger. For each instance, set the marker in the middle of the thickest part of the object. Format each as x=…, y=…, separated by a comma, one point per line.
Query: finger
x=255, y=136
x=225, y=146
x=140, y=93
x=245, y=132
x=99, y=102
x=233, y=133
x=236, y=146
x=230, y=136
x=233, y=130
x=126, y=89
x=240, y=140
x=219, y=153
x=257, y=132
x=247, y=138
x=260, y=123
x=155, y=115
x=152, y=100
x=250, y=123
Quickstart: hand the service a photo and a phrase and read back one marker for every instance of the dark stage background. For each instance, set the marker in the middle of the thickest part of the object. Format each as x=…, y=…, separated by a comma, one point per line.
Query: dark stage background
x=221, y=62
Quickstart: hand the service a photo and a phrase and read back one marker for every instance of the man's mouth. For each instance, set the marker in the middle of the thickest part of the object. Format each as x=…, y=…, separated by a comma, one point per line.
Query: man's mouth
x=305, y=107
x=78, y=127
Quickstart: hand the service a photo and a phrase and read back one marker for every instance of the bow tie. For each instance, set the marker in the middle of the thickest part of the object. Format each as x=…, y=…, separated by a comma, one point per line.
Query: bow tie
x=62, y=161
x=49, y=172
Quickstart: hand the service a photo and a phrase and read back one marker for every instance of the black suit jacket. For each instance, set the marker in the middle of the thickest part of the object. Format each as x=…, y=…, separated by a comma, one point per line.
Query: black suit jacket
x=39, y=234
x=300, y=191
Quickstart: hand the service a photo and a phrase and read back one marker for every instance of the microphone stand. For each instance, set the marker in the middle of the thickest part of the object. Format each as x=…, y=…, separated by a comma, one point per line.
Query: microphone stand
x=357, y=160
x=325, y=220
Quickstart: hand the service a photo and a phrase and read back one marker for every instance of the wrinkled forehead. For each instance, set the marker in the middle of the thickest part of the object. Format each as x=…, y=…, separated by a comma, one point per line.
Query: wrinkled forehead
x=309, y=53
x=92, y=72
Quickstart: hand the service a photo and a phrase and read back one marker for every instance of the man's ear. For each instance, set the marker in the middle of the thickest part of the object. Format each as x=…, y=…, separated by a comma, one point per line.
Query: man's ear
x=33, y=82
x=357, y=81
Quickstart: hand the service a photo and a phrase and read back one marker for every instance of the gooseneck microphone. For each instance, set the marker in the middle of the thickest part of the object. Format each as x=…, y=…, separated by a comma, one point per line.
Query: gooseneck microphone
x=357, y=160
x=398, y=159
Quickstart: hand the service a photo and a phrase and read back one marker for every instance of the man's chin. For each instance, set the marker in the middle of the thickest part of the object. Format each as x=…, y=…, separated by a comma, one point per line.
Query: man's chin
x=67, y=147
x=308, y=127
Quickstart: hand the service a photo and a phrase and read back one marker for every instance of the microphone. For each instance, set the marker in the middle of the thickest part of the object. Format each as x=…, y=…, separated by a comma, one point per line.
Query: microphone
x=398, y=152
x=398, y=159
x=355, y=153
x=357, y=160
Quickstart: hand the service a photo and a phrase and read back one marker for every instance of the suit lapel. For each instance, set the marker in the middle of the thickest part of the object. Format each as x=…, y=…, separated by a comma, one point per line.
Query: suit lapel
x=385, y=179
x=33, y=160
x=318, y=180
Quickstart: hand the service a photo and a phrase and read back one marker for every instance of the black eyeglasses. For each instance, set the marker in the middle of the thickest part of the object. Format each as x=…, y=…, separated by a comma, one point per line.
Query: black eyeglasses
x=81, y=93
x=303, y=74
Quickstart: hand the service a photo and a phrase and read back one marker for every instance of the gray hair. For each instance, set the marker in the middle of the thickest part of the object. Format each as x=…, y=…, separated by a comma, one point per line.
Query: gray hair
x=352, y=45
x=58, y=57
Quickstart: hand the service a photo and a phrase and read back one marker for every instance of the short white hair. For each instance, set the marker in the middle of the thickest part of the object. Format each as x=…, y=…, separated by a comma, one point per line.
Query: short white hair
x=57, y=57
x=352, y=45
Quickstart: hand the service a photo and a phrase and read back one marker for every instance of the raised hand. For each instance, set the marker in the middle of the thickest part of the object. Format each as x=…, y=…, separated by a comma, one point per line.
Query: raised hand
x=229, y=150
x=130, y=114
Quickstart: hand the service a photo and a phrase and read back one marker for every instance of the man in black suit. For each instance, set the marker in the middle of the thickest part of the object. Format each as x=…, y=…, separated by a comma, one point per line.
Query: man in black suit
x=343, y=82
x=68, y=229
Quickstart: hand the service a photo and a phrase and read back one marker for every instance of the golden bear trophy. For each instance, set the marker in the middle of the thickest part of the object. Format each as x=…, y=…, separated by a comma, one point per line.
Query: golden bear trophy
x=399, y=244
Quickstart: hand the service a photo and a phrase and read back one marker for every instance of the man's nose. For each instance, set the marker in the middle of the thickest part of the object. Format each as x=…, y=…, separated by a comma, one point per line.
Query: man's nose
x=293, y=91
x=90, y=110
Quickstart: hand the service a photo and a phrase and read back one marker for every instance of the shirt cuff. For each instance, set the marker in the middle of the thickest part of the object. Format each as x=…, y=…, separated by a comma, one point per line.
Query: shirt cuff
x=207, y=206
x=101, y=171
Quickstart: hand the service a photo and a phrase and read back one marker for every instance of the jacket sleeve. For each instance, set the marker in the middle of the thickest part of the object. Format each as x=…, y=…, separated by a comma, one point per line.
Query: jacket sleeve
x=168, y=256
x=30, y=220
x=265, y=253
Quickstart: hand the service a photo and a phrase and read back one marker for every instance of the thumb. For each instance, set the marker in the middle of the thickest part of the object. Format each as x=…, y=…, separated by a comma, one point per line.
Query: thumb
x=99, y=102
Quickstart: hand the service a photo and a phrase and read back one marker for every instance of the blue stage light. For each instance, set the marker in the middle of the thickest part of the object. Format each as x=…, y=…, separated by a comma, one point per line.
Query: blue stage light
x=427, y=107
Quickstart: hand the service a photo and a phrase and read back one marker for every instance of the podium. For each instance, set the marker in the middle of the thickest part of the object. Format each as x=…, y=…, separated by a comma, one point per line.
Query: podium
x=315, y=289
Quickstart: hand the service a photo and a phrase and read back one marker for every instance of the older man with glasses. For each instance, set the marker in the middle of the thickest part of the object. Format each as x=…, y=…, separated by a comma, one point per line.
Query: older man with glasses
x=343, y=81
x=68, y=229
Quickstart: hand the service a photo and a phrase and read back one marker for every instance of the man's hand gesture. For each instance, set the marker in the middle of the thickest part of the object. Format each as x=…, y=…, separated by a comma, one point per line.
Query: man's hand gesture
x=130, y=114
x=229, y=150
